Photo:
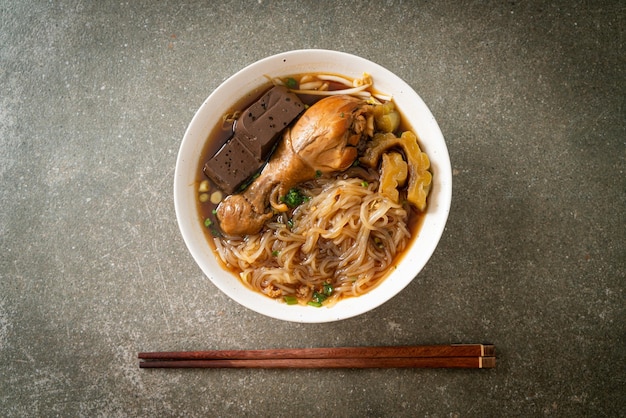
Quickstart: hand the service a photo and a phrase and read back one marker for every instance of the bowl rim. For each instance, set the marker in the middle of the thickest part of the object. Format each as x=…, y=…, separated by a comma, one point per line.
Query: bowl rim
x=244, y=81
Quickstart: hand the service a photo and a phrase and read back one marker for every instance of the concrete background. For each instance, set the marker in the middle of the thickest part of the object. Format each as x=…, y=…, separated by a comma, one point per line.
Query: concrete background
x=95, y=99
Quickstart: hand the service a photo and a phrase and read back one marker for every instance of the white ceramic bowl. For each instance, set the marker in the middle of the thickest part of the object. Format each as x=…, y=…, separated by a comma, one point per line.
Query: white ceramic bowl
x=296, y=62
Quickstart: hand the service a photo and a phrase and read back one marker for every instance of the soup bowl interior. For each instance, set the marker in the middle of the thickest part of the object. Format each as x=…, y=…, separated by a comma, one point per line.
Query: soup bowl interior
x=228, y=94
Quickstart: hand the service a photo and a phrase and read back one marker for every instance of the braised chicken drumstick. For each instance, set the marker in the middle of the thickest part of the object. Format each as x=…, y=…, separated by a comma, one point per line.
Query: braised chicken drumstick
x=323, y=141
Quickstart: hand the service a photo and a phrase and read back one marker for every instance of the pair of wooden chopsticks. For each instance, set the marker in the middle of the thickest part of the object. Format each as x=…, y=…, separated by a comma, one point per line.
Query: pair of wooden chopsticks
x=475, y=356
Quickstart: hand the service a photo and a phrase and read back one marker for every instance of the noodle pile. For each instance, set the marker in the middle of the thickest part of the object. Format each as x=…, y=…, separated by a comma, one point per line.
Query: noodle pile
x=346, y=235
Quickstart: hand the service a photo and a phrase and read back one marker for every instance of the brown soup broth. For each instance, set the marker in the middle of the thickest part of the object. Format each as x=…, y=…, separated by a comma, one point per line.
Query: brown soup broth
x=221, y=133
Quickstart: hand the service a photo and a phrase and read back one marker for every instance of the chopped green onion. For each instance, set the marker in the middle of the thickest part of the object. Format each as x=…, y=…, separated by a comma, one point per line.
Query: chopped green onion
x=208, y=222
x=327, y=289
x=319, y=297
x=290, y=300
x=214, y=211
x=275, y=253
x=291, y=83
x=316, y=304
x=318, y=173
x=294, y=198
x=364, y=183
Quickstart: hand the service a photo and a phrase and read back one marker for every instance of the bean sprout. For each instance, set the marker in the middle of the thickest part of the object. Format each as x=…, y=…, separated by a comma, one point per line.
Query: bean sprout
x=336, y=79
x=333, y=92
x=318, y=85
x=383, y=97
x=311, y=85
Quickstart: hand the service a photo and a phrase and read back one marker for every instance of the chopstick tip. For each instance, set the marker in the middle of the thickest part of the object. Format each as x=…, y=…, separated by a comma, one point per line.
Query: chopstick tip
x=489, y=350
x=487, y=362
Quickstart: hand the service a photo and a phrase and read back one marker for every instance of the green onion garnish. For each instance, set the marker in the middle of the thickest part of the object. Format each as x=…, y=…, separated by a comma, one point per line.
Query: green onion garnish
x=290, y=300
x=291, y=83
x=319, y=297
x=294, y=198
x=327, y=289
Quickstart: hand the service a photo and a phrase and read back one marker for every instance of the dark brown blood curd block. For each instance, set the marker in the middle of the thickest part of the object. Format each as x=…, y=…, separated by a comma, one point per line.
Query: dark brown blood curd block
x=231, y=165
x=256, y=133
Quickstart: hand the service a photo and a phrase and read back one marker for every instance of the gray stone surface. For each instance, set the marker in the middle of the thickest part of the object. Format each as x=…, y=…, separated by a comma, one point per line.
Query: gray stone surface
x=95, y=99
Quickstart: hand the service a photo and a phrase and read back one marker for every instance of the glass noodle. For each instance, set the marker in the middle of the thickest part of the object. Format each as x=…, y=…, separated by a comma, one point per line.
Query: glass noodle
x=347, y=235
